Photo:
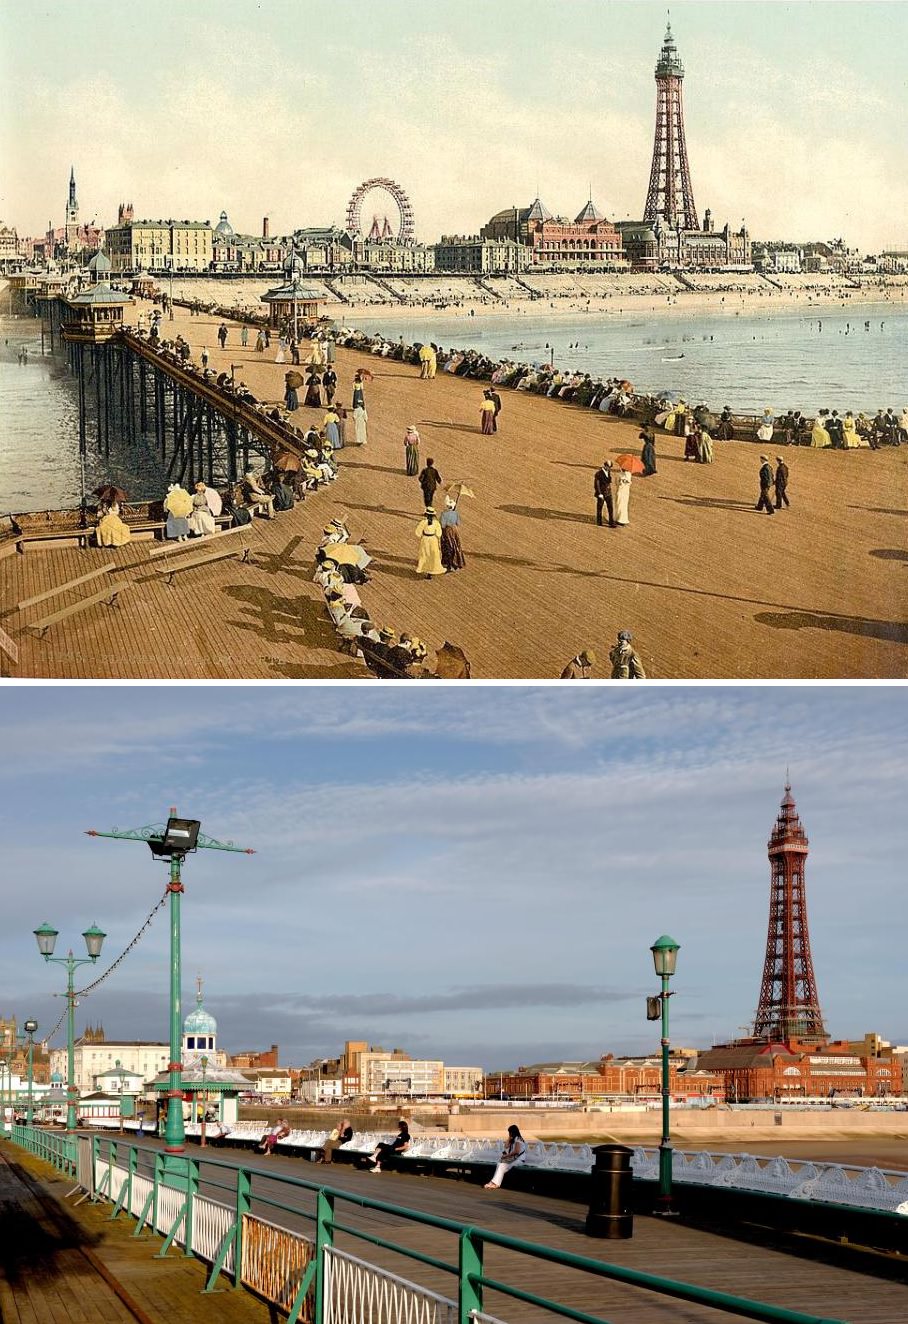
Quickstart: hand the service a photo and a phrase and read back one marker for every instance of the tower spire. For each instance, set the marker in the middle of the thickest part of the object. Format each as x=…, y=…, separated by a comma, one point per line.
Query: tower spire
x=670, y=196
x=789, y=1007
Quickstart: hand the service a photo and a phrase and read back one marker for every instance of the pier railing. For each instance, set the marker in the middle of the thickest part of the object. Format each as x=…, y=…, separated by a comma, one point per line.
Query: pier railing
x=278, y=1236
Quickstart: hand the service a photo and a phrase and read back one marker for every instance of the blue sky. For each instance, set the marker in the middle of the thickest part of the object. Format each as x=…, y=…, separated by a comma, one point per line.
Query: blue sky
x=475, y=873
x=795, y=112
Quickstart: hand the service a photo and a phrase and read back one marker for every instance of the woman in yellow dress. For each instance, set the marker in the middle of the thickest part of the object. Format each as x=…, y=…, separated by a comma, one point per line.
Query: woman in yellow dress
x=818, y=435
x=851, y=438
x=112, y=532
x=428, y=531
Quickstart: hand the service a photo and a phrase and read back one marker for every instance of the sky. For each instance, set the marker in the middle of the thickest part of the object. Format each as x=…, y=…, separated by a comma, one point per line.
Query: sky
x=795, y=113
x=472, y=873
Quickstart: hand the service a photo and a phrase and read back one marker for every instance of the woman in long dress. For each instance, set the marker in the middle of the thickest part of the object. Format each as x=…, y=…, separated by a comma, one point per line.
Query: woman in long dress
x=111, y=531
x=201, y=521
x=428, y=531
x=704, y=446
x=623, y=497
x=487, y=416
x=648, y=454
x=313, y=392
x=690, y=441
x=178, y=506
x=766, y=426
x=360, y=419
x=411, y=451
x=819, y=437
x=850, y=438
x=332, y=431
x=452, y=557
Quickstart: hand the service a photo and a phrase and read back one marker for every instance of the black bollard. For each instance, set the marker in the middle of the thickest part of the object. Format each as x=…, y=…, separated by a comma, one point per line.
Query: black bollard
x=611, y=1213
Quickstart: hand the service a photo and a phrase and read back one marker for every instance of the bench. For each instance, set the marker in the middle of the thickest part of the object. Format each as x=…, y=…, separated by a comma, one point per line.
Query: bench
x=108, y=595
x=174, y=548
x=168, y=571
x=64, y=588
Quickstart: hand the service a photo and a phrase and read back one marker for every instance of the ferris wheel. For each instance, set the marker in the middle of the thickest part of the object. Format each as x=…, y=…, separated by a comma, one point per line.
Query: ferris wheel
x=406, y=233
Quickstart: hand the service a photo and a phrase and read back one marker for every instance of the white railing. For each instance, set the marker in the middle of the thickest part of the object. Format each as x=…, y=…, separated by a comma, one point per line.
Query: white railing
x=210, y=1224
x=357, y=1292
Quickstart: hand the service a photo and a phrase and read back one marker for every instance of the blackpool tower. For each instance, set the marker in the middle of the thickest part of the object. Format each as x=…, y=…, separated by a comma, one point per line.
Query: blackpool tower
x=670, y=196
x=789, y=1007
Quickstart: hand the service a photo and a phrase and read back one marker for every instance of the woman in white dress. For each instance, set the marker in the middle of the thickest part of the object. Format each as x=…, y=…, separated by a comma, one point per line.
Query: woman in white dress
x=623, y=498
x=514, y=1152
x=360, y=419
x=201, y=521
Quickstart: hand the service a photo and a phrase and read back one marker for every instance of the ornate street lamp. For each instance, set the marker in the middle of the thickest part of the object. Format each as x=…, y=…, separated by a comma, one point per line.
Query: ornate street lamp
x=30, y=1026
x=46, y=938
x=172, y=843
x=665, y=956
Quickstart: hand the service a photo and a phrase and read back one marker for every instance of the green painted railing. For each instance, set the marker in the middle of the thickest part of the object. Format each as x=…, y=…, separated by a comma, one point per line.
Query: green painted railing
x=193, y=1185
x=52, y=1146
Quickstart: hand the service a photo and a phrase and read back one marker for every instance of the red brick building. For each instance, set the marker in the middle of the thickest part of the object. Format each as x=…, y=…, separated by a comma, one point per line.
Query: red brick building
x=250, y=1060
x=609, y=1077
x=589, y=241
x=762, y=1070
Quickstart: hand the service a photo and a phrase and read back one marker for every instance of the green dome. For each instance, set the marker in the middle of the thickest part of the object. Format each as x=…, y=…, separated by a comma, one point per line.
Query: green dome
x=200, y=1022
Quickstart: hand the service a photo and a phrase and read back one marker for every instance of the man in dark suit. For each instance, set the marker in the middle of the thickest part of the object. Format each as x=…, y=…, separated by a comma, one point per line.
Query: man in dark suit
x=766, y=482
x=781, y=483
x=602, y=489
x=834, y=428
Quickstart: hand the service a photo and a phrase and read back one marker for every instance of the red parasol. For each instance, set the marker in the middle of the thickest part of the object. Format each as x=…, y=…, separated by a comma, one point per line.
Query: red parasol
x=631, y=464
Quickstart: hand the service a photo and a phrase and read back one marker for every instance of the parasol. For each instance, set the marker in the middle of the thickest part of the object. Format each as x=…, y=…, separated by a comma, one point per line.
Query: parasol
x=366, y=374
x=285, y=461
x=451, y=663
x=631, y=464
x=178, y=503
x=109, y=494
x=627, y=387
x=293, y=379
x=459, y=489
x=348, y=553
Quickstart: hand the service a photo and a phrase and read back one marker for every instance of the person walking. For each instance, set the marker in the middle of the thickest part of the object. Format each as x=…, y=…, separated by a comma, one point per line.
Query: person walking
x=452, y=557
x=360, y=419
x=329, y=382
x=331, y=425
x=704, y=446
x=514, y=1152
x=766, y=483
x=428, y=531
x=203, y=357
x=222, y=335
x=602, y=490
x=496, y=401
x=648, y=454
x=244, y=336
x=626, y=665
x=411, y=451
x=781, y=483
x=623, y=498
x=487, y=415
x=260, y=343
x=291, y=398
x=429, y=480
x=359, y=395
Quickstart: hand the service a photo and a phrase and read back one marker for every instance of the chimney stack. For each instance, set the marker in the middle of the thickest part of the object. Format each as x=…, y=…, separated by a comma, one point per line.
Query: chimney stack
x=266, y=233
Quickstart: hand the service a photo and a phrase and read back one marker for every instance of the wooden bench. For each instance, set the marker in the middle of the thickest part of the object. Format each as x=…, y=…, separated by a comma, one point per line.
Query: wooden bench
x=108, y=595
x=168, y=571
x=174, y=548
x=64, y=588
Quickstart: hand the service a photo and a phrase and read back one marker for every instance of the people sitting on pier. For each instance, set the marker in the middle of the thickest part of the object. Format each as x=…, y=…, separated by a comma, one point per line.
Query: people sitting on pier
x=514, y=1152
x=341, y=1135
x=111, y=530
x=388, y=1148
x=279, y=1131
x=234, y=506
x=725, y=431
x=178, y=506
x=201, y=521
x=256, y=499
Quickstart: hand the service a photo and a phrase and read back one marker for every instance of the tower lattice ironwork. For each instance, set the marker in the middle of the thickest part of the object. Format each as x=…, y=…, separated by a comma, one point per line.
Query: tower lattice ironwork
x=670, y=196
x=789, y=1007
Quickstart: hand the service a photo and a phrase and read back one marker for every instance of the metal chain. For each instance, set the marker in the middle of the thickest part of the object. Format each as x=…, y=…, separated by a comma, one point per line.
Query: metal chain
x=82, y=992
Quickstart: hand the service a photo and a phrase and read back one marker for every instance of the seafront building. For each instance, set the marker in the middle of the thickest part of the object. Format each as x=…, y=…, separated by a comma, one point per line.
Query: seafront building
x=589, y=242
x=475, y=255
x=159, y=246
x=609, y=1077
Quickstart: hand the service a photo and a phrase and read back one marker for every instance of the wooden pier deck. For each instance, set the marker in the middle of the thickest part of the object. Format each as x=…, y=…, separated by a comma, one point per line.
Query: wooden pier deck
x=709, y=587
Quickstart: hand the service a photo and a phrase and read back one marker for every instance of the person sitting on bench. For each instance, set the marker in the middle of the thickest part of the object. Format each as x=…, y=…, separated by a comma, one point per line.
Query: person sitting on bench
x=514, y=1152
x=341, y=1134
x=255, y=496
x=388, y=1148
x=273, y=1135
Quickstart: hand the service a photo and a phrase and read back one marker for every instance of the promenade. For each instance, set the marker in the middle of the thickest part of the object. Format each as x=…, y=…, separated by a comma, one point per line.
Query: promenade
x=169, y=1288
x=709, y=587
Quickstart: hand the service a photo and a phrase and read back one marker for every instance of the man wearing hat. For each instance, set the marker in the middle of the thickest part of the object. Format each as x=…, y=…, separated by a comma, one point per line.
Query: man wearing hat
x=781, y=483
x=626, y=665
x=602, y=490
x=580, y=667
x=765, y=501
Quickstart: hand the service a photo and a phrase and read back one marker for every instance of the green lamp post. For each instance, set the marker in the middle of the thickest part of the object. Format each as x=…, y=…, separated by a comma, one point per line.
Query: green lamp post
x=30, y=1026
x=665, y=956
x=46, y=938
x=178, y=838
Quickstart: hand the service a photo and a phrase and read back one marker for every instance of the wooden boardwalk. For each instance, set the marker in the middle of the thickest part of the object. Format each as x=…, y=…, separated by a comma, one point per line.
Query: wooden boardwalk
x=709, y=587
x=62, y=1263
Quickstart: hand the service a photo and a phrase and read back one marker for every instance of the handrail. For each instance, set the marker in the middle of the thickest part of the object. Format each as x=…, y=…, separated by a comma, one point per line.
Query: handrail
x=187, y=1181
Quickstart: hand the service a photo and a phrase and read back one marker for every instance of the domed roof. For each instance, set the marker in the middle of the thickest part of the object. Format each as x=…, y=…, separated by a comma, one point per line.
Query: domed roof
x=200, y=1021
x=590, y=212
x=100, y=262
x=56, y=1078
x=223, y=226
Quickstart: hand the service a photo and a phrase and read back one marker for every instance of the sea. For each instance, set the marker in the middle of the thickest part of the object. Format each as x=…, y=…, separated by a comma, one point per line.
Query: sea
x=843, y=359
x=849, y=358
